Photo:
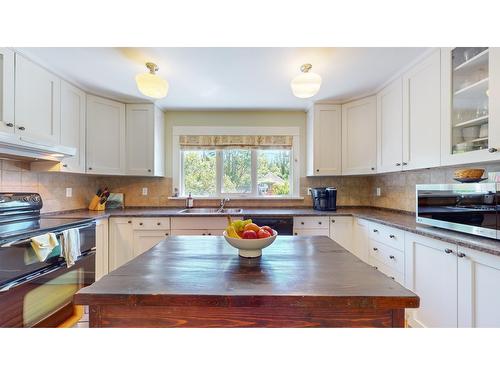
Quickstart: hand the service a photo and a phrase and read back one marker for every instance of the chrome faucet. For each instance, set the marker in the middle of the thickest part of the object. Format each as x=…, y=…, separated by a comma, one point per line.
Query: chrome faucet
x=223, y=202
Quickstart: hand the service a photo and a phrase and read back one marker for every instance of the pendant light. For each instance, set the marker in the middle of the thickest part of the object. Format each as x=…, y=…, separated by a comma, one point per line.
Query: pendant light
x=306, y=84
x=150, y=84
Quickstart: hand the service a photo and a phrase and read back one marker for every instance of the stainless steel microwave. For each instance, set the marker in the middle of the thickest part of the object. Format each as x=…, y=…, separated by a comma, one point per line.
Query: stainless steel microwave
x=469, y=208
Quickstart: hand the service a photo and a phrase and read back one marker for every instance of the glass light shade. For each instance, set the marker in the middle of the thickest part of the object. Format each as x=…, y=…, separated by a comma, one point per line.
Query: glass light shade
x=306, y=85
x=151, y=85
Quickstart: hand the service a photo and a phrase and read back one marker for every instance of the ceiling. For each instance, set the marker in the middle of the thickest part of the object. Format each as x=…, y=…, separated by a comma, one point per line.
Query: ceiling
x=227, y=78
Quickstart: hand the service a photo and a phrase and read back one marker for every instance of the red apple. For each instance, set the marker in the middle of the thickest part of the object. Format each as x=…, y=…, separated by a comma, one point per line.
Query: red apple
x=268, y=229
x=249, y=235
x=263, y=233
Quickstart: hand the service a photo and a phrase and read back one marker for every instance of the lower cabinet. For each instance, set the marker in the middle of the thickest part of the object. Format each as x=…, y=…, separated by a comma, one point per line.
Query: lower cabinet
x=146, y=239
x=341, y=231
x=101, y=244
x=311, y=226
x=431, y=273
x=478, y=289
x=121, y=237
x=199, y=226
x=360, y=236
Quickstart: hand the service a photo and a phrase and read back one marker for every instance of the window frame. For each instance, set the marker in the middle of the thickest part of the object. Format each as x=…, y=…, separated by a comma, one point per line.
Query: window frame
x=177, y=171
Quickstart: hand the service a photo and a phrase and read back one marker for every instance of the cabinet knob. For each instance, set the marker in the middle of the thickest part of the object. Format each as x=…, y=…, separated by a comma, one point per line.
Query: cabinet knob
x=130, y=221
x=372, y=168
x=375, y=267
x=461, y=255
x=90, y=168
x=210, y=234
x=391, y=257
x=317, y=170
x=392, y=277
x=398, y=164
x=319, y=222
x=333, y=220
x=295, y=234
x=302, y=223
x=158, y=223
x=65, y=165
x=9, y=125
x=375, y=249
x=492, y=150
x=203, y=234
x=21, y=128
x=375, y=231
x=149, y=170
x=392, y=236
x=166, y=234
x=140, y=223
x=405, y=163
x=448, y=251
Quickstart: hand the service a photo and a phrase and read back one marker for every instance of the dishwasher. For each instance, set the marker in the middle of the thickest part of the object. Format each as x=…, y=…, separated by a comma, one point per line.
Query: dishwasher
x=282, y=225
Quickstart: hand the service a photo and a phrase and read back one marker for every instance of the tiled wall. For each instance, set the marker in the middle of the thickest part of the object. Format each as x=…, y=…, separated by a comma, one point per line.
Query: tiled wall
x=16, y=176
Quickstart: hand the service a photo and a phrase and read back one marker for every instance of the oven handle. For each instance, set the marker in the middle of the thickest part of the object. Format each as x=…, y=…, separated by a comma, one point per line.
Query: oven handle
x=27, y=240
x=43, y=272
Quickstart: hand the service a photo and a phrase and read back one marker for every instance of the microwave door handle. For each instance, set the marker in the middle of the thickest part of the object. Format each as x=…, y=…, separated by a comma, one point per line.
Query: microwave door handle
x=44, y=272
x=28, y=240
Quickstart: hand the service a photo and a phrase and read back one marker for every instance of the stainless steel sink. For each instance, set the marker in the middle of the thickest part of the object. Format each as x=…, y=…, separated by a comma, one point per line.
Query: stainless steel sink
x=213, y=211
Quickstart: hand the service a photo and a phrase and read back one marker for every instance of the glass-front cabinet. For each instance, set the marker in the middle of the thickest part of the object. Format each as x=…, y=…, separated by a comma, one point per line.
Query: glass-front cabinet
x=470, y=127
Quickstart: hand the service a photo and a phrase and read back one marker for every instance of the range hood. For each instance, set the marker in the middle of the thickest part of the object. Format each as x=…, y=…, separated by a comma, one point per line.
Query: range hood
x=13, y=146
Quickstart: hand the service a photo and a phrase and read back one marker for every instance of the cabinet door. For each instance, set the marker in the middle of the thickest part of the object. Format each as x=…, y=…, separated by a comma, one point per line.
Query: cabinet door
x=6, y=90
x=390, y=127
x=324, y=129
x=341, y=231
x=146, y=239
x=102, y=251
x=478, y=289
x=73, y=111
x=359, y=136
x=120, y=242
x=37, y=103
x=422, y=114
x=105, y=136
x=360, y=239
x=431, y=273
x=140, y=139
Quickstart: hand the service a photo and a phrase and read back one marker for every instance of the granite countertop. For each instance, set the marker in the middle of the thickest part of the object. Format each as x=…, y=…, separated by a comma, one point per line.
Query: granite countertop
x=397, y=219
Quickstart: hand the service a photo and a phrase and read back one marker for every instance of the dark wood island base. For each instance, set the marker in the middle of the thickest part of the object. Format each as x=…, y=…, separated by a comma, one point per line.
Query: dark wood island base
x=201, y=282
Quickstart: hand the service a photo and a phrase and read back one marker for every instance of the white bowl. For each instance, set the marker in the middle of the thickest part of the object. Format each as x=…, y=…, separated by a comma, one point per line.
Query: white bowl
x=250, y=248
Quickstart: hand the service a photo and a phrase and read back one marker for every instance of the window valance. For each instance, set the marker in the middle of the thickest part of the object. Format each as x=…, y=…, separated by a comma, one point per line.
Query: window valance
x=196, y=142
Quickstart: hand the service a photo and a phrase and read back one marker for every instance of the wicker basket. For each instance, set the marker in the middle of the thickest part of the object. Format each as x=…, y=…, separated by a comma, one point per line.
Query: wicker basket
x=469, y=173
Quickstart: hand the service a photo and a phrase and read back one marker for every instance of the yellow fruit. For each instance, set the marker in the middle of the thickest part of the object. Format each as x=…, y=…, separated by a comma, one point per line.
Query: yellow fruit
x=231, y=232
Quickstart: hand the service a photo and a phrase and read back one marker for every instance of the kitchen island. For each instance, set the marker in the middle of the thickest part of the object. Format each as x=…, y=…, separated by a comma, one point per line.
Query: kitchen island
x=200, y=281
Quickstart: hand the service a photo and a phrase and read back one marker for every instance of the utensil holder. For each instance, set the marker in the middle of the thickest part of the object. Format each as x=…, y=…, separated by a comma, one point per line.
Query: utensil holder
x=95, y=205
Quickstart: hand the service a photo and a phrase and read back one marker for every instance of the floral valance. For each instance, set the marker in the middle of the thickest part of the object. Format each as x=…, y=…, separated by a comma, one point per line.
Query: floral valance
x=235, y=141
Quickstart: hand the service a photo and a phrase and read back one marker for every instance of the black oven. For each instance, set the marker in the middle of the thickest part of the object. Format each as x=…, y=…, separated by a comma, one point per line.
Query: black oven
x=39, y=294
x=469, y=208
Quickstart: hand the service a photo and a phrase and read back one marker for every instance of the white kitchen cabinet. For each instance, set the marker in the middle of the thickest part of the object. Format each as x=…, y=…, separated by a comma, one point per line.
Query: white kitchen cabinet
x=146, y=239
x=422, y=114
x=37, y=103
x=324, y=140
x=196, y=232
x=7, y=90
x=431, y=273
x=341, y=231
x=121, y=238
x=145, y=140
x=390, y=127
x=105, y=136
x=311, y=232
x=359, y=134
x=470, y=124
x=360, y=241
x=478, y=289
x=102, y=250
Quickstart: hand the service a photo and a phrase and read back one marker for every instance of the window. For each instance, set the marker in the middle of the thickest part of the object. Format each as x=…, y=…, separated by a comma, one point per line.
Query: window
x=225, y=161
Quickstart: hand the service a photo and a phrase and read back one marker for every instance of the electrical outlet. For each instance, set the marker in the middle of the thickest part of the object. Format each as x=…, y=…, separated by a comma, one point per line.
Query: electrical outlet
x=144, y=191
x=69, y=192
x=309, y=192
x=378, y=192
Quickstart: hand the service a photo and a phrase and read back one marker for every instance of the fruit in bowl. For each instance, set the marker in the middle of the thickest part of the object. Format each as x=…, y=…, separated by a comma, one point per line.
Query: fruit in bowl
x=248, y=237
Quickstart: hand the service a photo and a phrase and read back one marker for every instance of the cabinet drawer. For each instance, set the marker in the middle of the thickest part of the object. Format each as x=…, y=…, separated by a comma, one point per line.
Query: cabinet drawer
x=391, y=257
x=311, y=222
x=218, y=223
x=387, y=235
x=311, y=232
x=151, y=223
x=396, y=276
x=194, y=232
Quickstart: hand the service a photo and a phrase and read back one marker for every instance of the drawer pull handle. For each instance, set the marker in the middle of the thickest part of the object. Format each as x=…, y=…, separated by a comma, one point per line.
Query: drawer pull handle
x=448, y=251
x=375, y=249
x=375, y=267
x=130, y=221
x=295, y=234
x=461, y=255
x=319, y=222
x=210, y=234
x=392, y=236
x=158, y=223
x=392, y=277
x=392, y=257
x=333, y=220
x=302, y=223
x=203, y=234
x=140, y=223
x=166, y=234
x=375, y=231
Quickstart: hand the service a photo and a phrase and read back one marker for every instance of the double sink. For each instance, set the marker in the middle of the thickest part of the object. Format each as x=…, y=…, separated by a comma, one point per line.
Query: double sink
x=212, y=211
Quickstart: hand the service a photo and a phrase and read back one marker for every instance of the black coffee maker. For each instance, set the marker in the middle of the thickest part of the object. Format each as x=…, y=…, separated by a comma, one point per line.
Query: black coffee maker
x=324, y=198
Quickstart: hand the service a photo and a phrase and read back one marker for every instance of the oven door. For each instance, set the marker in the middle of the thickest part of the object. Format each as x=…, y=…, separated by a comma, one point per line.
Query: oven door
x=468, y=208
x=41, y=294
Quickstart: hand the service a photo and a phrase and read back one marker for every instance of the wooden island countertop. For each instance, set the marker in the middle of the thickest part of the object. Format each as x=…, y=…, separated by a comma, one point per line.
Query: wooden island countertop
x=200, y=281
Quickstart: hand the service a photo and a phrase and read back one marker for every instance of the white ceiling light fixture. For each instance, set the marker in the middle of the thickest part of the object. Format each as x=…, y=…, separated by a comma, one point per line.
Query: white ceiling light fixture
x=306, y=84
x=150, y=84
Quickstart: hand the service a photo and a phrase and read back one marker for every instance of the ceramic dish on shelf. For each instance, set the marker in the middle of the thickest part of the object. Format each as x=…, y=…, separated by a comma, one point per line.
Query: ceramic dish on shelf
x=470, y=180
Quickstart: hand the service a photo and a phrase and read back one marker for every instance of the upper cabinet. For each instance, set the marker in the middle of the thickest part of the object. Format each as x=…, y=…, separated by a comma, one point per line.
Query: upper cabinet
x=145, y=140
x=37, y=103
x=324, y=140
x=105, y=136
x=6, y=90
x=359, y=132
x=422, y=114
x=470, y=116
x=73, y=112
x=390, y=127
